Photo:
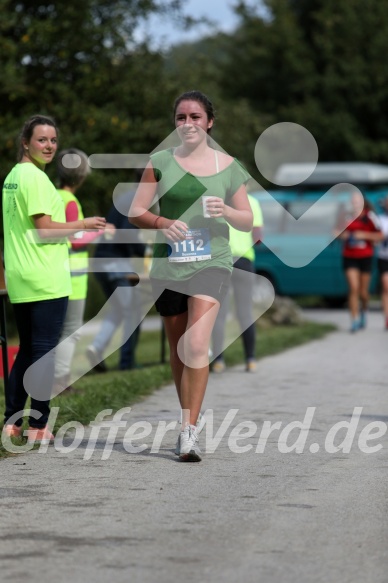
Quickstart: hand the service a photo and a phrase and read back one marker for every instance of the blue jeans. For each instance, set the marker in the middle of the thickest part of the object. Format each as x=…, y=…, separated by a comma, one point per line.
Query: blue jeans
x=39, y=326
x=124, y=311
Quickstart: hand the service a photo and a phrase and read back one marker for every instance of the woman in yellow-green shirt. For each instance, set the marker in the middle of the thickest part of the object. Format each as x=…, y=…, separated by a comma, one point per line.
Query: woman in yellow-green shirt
x=37, y=274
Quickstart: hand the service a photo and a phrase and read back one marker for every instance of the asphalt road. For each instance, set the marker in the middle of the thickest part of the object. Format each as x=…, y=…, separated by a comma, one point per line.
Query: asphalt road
x=305, y=502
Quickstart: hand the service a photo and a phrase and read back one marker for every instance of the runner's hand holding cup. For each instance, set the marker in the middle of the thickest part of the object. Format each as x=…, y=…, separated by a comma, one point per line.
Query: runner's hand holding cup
x=213, y=206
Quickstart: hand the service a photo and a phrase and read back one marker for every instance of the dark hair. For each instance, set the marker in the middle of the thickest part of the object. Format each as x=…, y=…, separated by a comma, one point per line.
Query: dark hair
x=72, y=167
x=28, y=130
x=202, y=99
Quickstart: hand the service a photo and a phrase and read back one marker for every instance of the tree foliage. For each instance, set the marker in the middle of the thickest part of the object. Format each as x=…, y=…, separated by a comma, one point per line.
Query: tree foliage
x=78, y=62
x=321, y=64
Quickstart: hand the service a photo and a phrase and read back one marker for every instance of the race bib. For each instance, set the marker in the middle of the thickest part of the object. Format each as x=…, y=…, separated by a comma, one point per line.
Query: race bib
x=196, y=247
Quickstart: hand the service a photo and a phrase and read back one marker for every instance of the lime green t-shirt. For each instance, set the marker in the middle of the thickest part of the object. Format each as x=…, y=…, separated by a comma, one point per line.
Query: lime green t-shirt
x=180, y=195
x=34, y=271
x=241, y=242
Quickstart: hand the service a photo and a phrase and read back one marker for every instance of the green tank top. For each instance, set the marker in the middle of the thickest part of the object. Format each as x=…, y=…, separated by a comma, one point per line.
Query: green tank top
x=180, y=195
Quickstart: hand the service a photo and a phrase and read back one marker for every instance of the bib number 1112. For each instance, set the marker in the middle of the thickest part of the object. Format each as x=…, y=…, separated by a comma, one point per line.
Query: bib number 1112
x=196, y=247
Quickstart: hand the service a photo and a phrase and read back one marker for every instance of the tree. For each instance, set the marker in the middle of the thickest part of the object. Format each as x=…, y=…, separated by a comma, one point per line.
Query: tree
x=320, y=64
x=78, y=62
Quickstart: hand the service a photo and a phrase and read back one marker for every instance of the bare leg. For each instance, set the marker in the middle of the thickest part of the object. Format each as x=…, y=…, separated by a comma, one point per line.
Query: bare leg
x=364, y=290
x=175, y=327
x=353, y=279
x=195, y=348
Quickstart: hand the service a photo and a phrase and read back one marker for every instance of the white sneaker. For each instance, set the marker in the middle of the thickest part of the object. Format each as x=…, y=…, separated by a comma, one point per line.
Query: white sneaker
x=189, y=449
x=200, y=422
x=200, y=425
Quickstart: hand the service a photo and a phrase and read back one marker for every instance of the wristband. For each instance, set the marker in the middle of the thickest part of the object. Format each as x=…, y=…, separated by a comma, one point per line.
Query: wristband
x=155, y=221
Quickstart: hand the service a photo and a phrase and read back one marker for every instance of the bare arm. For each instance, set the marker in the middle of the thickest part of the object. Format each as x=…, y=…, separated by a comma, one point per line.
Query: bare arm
x=82, y=238
x=238, y=214
x=373, y=236
x=343, y=235
x=140, y=216
x=49, y=229
x=257, y=235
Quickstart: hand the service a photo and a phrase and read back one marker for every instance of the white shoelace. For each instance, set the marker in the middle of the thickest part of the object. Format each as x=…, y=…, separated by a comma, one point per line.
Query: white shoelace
x=192, y=436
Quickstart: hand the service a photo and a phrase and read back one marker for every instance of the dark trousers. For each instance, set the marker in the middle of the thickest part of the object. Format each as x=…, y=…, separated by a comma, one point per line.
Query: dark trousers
x=39, y=326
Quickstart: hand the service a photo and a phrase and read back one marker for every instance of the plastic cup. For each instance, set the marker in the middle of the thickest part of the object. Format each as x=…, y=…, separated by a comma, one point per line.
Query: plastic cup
x=204, y=202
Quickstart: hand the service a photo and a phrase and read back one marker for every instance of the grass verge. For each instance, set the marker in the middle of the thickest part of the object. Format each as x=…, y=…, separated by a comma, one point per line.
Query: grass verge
x=116, y=389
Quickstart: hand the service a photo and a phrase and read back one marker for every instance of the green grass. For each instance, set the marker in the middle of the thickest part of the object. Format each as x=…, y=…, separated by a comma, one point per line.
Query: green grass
x=116, y=389
x=278, y=338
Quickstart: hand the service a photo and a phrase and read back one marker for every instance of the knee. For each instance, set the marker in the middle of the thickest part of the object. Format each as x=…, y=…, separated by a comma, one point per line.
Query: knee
x=196, y=348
